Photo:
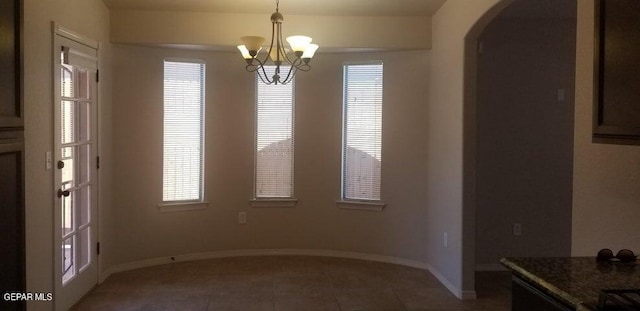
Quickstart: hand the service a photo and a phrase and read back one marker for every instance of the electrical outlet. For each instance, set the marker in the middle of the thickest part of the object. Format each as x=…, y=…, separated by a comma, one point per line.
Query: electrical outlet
x=517, y=229
x=242, y=218
x=445, y=240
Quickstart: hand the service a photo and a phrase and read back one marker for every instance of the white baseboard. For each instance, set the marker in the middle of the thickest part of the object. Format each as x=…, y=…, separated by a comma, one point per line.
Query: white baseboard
x=461, y=294
x=291, y=252
x=491, y=267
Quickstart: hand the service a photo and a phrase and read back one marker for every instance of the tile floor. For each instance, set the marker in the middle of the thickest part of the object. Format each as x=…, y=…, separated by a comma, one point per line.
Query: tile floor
x=296, y=283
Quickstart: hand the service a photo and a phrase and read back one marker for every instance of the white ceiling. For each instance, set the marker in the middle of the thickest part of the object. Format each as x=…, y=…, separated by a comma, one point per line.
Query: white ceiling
x=301, y=7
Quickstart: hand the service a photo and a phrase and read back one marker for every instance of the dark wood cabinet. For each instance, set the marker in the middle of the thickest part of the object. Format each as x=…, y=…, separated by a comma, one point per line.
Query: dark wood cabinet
x=11, y=110
x=527, y=297
x=617, y=97
x=12, y=205
x=12, y=234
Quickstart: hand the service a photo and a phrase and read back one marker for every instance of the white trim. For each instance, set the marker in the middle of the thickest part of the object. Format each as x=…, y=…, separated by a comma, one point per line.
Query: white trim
x=363, y=62
x=73, y=36
x=462, y=295
x=264, y=202
x=185, y=60
x=182, y=206
x=491, y=267
x=361, y=205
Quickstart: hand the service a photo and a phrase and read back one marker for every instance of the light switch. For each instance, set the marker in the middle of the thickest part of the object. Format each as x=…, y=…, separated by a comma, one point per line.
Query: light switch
x=561, y=95
x=48, y=161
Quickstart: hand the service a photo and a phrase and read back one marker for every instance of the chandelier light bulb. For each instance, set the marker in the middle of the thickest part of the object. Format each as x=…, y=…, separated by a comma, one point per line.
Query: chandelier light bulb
x=253, y=44
x=310, y=51
x=245, y=52
x=298, y=43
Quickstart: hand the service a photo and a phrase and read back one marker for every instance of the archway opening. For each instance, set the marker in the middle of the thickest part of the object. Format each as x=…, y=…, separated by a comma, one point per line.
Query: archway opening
x=518, y=136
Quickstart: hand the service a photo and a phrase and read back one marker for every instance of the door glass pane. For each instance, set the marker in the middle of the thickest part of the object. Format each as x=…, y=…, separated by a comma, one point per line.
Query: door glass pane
x=68, y=269
x=67, y=153
x=84, y=248
x=67, y=114
x=84, y=154
x=67, y=215
x=67, y=81
x=83, y=201
x=67, y=172
x=84, y=114
x=84, y=91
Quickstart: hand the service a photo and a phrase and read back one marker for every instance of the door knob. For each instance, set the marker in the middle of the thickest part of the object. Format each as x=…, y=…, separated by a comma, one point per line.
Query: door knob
x=60, y=165
x=63, y=193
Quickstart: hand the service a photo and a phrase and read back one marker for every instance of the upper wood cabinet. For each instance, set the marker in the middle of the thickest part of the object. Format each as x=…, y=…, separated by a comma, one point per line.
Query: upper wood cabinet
x=11, y=109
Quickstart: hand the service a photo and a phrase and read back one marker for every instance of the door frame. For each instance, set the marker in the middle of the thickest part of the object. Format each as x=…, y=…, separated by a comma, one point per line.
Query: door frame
x=60, y=33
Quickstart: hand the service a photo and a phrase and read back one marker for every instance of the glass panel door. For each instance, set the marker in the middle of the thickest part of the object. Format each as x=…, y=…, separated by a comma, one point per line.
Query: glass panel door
x=76, y=172
x=75, y=162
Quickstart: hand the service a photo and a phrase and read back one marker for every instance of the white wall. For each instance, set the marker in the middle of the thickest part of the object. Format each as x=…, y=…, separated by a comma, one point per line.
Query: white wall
x=315, y=223
x=451, y=26
x=89, y=18
x=606, y=199
x=525, y=134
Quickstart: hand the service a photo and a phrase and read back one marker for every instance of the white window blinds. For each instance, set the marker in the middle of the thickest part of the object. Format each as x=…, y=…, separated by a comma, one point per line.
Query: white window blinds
x=183, y=131
x=362, y=132
x=274, y=138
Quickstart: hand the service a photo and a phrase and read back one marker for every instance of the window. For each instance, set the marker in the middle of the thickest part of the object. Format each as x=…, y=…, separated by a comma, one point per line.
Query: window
x=182, y=179
x=274, y=138
x=362, y=132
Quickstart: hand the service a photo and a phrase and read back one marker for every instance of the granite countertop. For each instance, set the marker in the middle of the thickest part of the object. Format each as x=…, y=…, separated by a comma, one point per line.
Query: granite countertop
x=576, y=281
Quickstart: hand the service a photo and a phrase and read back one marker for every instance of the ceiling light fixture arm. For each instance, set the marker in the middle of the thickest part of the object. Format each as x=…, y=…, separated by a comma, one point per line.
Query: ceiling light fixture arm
x=301, y=46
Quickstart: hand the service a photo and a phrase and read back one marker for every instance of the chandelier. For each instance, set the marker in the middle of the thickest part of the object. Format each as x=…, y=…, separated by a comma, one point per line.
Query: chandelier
x=301, y=47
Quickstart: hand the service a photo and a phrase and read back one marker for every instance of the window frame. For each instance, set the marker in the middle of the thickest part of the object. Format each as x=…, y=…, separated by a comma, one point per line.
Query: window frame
x=273, y=201
x=200, y=202
x=358, y=203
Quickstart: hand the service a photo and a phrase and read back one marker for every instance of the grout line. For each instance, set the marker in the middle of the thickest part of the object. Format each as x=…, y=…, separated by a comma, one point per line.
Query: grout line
x=398, y=297
x=273, y=287
x=325, y=273
x=390, y=286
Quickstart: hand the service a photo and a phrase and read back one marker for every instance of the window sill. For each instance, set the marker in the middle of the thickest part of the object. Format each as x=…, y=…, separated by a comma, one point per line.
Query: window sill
x=374, y=206
x=277, y=202
x=182, y=206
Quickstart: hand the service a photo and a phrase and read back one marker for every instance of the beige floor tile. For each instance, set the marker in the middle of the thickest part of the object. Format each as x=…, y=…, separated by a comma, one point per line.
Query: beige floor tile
x=240, y=303
x=302, y=283
x=436, y=299
x=369, y=300
x=306, y=303
x=300, y=265
x=173, y=302
x=246, y=284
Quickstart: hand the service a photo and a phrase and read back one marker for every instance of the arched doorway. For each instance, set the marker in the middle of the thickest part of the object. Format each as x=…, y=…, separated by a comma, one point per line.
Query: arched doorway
x=518, y=133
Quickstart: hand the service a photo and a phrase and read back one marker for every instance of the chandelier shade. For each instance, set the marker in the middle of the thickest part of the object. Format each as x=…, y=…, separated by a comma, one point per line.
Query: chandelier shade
x=296, y=57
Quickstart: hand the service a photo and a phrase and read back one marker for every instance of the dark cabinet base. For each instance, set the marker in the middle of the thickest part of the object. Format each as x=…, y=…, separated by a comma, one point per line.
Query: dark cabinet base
x=12, y=233
x=526, y=297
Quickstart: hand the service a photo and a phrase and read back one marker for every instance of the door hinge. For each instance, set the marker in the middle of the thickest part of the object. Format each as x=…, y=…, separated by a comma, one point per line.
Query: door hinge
x=98, y=162
x=97, y=76
x=98, y=248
